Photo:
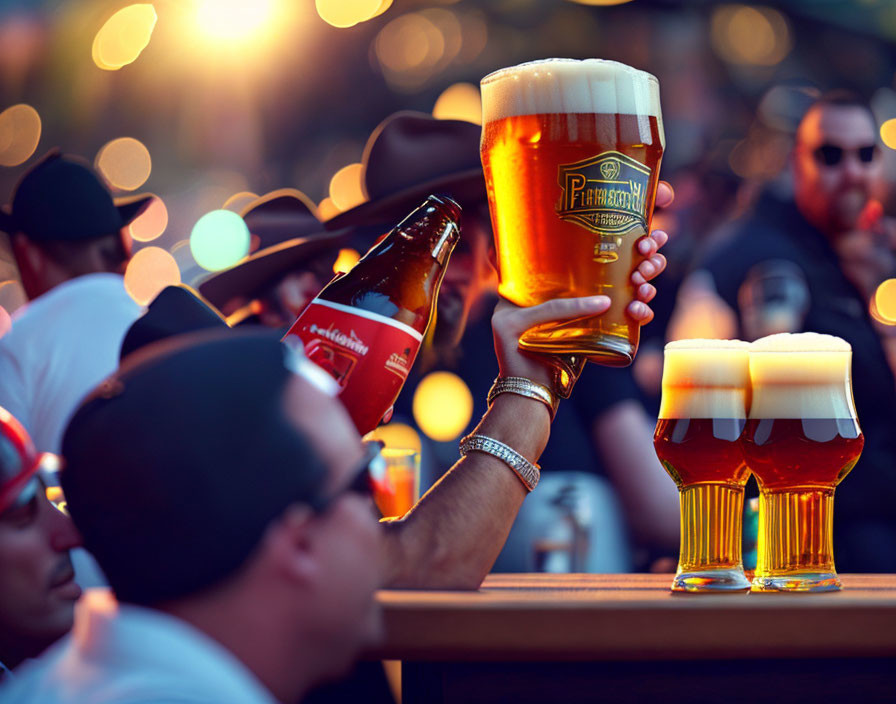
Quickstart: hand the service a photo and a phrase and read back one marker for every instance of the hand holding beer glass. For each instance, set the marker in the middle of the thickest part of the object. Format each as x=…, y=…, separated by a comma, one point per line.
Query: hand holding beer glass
x=706, y=385
x=571, y=153
x=802, y=437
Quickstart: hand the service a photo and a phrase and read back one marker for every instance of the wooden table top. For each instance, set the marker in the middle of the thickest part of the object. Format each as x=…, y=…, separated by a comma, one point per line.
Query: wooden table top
x=635, y=617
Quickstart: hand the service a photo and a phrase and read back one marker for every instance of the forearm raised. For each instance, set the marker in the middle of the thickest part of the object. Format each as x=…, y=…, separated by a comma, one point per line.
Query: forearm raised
x=454, y=534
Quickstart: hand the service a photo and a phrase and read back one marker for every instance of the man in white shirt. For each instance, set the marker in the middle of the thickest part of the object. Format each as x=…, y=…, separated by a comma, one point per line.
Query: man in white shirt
x=66, y=235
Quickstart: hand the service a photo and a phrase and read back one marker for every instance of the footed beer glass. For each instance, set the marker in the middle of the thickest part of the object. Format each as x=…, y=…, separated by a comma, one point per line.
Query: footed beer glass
x=802, y=438
x=571, y=152
x=706, y=386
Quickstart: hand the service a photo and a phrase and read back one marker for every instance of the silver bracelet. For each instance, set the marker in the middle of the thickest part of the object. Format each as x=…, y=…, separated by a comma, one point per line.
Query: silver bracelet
x=528, y=472
x=524, y=387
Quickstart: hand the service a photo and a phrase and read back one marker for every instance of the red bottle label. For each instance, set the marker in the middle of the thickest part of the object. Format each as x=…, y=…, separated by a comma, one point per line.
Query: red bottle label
x=369, y=355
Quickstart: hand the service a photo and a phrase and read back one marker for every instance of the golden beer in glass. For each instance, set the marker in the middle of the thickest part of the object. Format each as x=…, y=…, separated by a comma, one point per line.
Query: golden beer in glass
x=802, y=438
x=706, y=387
x=571, y=152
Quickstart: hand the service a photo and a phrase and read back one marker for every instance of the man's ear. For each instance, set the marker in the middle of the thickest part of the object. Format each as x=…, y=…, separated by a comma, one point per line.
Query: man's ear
x=28, y=255
x=289, y=542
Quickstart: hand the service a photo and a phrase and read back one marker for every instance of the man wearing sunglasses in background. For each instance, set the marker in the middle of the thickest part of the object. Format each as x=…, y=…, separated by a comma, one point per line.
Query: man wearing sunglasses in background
x=813, y=264
x=37, y=587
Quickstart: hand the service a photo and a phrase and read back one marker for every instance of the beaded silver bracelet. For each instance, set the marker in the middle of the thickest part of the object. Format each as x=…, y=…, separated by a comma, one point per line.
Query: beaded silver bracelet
x=522, y=386
x=528, y=472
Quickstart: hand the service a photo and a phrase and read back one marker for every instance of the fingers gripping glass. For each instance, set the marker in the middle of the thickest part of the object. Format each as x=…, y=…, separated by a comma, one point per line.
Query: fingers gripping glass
x=832, y=155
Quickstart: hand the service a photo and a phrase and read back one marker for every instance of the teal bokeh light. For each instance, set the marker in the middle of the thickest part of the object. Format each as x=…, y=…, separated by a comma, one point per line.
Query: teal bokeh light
x=219, y=240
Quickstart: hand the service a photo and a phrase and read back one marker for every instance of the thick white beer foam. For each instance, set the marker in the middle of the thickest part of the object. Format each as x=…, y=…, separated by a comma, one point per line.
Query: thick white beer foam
x=570, y=86
x=801, y=375
x=706, y=379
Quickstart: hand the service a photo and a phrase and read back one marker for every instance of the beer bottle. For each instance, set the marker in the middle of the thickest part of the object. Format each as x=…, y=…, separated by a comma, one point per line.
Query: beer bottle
x=366, y=325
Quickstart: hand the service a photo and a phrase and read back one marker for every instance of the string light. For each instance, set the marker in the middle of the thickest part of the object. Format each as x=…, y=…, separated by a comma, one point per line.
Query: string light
x=346, y=259
x=219, y=240
x=459, y=102
x=442, y=406
x=125, y=163
x=347, y=187
x=888, y=133
x=347, y=13
x=124, y=36
x=149, y=271
x=151, y=223
x=20, y=130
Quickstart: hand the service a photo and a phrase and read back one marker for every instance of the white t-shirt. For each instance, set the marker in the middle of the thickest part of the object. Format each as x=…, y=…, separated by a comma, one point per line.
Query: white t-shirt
x=131, y=655
x=60, y=347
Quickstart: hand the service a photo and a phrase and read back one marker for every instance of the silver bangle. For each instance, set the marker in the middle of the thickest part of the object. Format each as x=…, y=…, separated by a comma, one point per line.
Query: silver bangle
x=528, y=472
x=524, y=387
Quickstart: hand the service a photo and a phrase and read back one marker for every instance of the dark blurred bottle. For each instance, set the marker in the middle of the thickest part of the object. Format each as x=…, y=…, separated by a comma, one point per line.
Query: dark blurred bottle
x=365, y=326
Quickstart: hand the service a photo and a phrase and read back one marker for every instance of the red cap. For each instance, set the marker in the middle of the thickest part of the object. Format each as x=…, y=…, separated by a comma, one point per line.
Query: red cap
x=18, y=459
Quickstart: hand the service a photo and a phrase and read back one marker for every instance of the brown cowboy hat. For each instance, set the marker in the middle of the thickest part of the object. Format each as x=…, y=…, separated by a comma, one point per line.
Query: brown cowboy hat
x=409, y=156
x=286, y=224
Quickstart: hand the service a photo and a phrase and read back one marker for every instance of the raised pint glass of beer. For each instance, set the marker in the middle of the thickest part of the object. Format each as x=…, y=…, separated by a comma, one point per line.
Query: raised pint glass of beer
x=706, y=386
x=571, y=152
x=802, y=438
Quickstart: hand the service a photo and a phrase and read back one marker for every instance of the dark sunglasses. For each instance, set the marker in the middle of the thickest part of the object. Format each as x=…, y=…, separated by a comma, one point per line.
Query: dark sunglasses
x=831, y=155
x=370, y=472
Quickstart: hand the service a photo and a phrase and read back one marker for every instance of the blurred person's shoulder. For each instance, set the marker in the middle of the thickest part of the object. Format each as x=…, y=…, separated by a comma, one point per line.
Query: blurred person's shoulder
x=84, y=304
x=122, y=654
x=768, y=231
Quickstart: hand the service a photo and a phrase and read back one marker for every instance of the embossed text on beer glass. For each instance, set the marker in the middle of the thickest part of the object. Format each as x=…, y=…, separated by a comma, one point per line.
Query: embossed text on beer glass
x=706, y=387
x=571, y=152
x=802, y=438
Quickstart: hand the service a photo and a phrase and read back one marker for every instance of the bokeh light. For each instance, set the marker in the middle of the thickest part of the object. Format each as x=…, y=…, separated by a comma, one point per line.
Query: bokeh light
x=233, y=20
x=443, y=405
x=345, y=260
x=219, y=240
x=5, y=321
x=347, y=187
x=396, y=435
x=238, y=201
x=20, y=129
x=888, y=133
x=327, y=209
x=124, y=36
x=885, y=302
x=347, y=13
x=600, y=2
x=459, y=102
x=750, y=35
x=150, y=223
x=409, y=49
x=125, y=163
x=150, y=270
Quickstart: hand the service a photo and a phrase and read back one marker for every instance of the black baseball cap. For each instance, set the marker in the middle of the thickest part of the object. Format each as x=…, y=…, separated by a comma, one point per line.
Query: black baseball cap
x=62, y=199
x=175, y=465
x=177, y=310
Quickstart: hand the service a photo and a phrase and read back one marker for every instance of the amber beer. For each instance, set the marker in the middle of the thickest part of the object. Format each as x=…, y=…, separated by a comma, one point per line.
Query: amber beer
x=571, y=152
x=802, y=438
x=706, y=386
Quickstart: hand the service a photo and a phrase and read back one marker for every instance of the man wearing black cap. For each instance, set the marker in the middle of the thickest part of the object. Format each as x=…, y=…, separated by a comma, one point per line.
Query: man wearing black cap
x=37, y=589
x=221, y=489
x=66, y=235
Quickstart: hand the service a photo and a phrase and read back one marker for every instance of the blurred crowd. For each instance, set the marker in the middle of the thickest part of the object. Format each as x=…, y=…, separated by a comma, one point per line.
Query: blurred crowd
x=206, y=469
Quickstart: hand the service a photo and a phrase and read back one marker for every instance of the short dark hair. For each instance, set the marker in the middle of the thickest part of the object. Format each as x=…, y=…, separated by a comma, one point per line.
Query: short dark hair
x=842, y=98
x=71, y=254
